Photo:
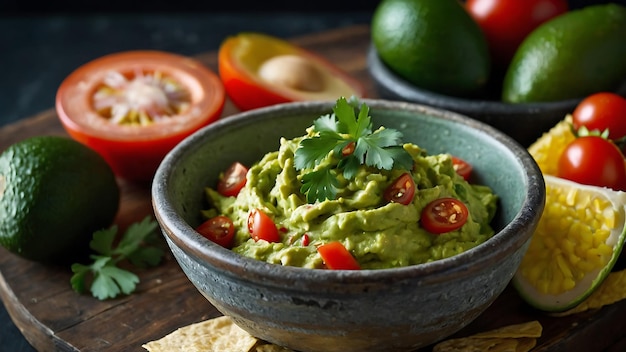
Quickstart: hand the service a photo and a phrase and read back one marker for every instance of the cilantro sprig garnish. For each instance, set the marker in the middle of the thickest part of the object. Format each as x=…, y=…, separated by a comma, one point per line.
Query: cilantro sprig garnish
x=137, y=246
x=349, y=137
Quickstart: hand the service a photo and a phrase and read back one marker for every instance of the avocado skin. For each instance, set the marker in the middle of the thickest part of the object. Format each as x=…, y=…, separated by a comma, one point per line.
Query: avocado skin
x=433, y=44
x=56, y=192
x=569, y=57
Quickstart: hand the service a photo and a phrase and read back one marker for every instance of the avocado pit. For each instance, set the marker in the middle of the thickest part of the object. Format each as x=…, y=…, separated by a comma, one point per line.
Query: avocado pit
x=293, y=72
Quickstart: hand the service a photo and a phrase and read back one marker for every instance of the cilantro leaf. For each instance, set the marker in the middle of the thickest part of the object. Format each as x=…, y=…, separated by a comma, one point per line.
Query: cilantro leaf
x=345, y=114
x=313, y=150
x=319, y=185
x=112, y=281
x=326, y=123
x=137, y=246
x=350, y=166
x=137, y=234
x=102, y=241
x=381, y=149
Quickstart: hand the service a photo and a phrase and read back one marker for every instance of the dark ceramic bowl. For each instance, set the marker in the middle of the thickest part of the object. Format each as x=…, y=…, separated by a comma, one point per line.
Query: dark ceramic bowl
x=370, y=310
x=523, y=122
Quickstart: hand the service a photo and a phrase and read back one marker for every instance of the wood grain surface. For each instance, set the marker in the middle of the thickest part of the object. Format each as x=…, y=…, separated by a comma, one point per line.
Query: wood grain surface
x=55, y=318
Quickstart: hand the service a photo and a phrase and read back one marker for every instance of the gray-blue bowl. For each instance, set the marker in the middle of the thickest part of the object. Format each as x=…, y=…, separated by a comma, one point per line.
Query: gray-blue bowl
x=398, y=309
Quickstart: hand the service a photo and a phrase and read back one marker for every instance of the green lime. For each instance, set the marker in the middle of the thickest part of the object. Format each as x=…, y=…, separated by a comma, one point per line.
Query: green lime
x=54, y=193
x=434, y=44
x=570, y=56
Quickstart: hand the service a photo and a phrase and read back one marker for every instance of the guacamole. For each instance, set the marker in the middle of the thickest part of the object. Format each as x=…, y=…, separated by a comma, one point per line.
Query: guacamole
x=378, y=233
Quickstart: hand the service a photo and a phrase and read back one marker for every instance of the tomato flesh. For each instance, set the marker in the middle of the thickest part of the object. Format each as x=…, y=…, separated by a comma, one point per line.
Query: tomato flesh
x=337, y=257
x=507, y=22
x=444, y=215
x=233, y=180
x=219, y=229
x=134, y=107
x=602, y=111
x=402, y=190
x=262, y=227
x=593, y=160
x=462, y=167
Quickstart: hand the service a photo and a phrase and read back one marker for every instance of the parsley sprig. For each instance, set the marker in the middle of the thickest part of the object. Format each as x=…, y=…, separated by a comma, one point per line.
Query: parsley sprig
x=137, y=246
x=342, y=131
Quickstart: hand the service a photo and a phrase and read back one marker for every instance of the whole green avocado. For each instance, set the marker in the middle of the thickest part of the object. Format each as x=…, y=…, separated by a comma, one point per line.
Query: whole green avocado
x=54, y=193
x=571, y=56
x=434, y=44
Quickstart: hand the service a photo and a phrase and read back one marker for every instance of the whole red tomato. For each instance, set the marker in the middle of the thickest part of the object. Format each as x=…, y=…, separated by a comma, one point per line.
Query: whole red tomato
x=602, y=111
x=507, y=22
x=593, y=160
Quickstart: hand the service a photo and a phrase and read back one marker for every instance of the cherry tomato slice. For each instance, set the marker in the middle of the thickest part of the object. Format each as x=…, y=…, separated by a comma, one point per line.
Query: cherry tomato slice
x=401, y=190
x=233, y=180
x=219, y=229
x=444, y=215
x=262, y=227
x=593, y=160
x=602, y=111
x=507, y=22
x=134, y=107
x=337, y=257
x=462, y=168
x=260, y=70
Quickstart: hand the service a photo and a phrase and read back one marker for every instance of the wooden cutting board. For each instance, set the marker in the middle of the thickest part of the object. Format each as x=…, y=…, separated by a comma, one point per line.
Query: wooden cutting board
x=55, y=318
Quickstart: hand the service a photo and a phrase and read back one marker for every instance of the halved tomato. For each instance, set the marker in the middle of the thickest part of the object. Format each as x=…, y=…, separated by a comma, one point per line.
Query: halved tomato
x=219, y=229
x=444, y=215
x=133, y=107
x=260, y=70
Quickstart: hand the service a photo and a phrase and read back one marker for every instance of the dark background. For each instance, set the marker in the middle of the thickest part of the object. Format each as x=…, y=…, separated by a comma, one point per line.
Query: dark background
x=41, y=44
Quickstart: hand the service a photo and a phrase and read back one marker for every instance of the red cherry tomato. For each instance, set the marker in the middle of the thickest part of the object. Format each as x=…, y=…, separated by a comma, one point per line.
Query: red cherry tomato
x=401, y=190
x=233, y=180
x=593, y=160
x=337, y=257
x=262, y=227
x=444, y=215
x=254, y=76
x=219, y=229
x=602, y=111
x=462, y=167
x=133, y=107
x=507, y=22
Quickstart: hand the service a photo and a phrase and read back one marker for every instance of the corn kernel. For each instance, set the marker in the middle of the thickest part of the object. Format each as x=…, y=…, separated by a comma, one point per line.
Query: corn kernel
x=570, y=240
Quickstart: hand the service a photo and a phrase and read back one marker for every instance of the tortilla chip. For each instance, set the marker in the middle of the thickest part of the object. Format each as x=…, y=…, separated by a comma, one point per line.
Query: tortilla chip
x=510, y=338
x=610, y=291
x=526, y=344
x=468, y=344
x=214, y=335
x=528, y=329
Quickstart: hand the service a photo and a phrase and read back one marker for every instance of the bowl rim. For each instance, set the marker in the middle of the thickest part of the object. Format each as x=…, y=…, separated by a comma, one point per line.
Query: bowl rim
x=184, y=236
x=384, y=76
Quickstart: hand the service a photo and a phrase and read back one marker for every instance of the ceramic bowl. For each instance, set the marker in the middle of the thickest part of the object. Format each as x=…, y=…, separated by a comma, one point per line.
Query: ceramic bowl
x=524, y=122
x=397, y=309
